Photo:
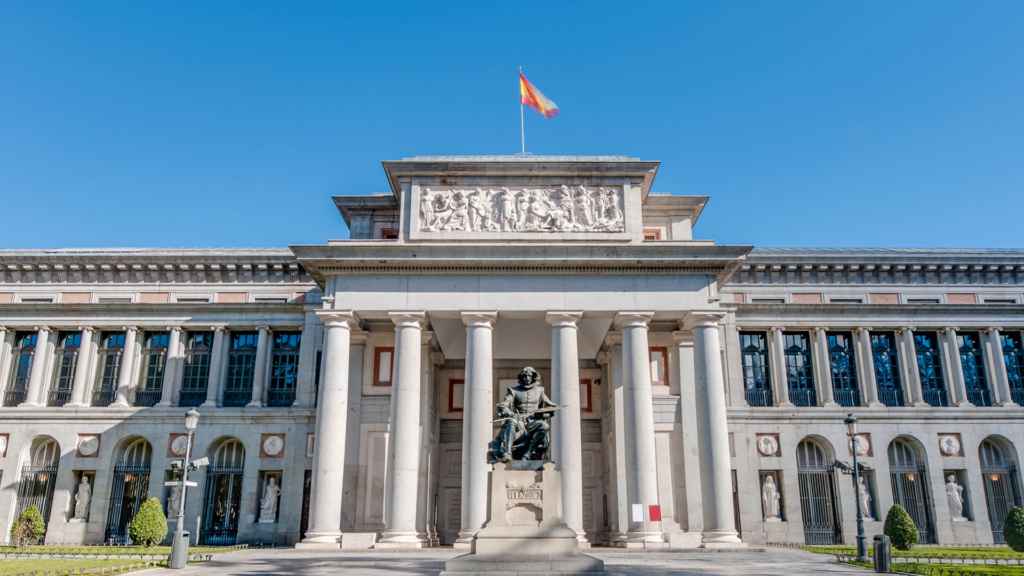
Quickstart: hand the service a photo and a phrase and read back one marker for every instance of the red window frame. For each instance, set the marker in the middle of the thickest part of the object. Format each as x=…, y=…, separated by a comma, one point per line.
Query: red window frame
x=664, y=363
x=451, y=393
x=378, y=351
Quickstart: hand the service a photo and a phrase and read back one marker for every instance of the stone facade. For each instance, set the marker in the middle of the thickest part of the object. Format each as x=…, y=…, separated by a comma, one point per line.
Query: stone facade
x=361, y=375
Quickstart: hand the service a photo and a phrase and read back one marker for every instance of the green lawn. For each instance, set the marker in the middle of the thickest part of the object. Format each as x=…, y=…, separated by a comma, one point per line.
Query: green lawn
x=9, y=567
x=923, y=551
x=111, y=550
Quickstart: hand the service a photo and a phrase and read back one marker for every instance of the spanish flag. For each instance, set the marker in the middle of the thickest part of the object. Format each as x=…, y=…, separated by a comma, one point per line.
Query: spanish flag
x=529, y=95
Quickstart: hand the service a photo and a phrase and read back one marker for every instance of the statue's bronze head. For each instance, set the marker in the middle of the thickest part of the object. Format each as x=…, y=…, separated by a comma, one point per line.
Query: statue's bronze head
x=529, y=377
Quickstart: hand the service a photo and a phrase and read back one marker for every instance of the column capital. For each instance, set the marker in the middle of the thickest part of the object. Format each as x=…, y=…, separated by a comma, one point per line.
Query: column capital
x=409, y=319
x=479, y=319
x=992, y=329
x=777, y=329
x=339, y=319
x=953, y=329
x=632, y=319
x=860, y=329
x=701, y=319
x=903, y=329
x=263, y=327
x=563, y=318
x=603, y=357
x=219, y=328
x=130, y=328
x=822, y=329
x=174, y=329
x=82, y=329
x=42, y=329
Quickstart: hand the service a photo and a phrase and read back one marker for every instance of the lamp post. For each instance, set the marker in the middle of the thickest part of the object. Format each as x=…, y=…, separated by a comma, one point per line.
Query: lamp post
x=862, y=545
x=179, y=547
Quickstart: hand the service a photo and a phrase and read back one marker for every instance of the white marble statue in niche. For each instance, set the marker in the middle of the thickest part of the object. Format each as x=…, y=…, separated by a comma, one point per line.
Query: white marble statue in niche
x=955, y=495
x=565, y=209
x=83, y=498
x=770, y=497
x=268, y=506
x=865, y=498
x=174, y=502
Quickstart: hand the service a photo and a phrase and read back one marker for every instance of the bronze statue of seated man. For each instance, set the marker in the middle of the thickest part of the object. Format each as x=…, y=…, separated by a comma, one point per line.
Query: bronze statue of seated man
x=524, y=413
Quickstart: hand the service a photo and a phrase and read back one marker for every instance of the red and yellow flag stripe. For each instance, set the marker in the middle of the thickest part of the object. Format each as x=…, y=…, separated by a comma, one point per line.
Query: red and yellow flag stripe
x=530, y=96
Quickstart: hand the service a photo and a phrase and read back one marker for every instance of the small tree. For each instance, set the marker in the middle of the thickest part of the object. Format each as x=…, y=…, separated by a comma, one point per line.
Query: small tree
x=1013, y=529
x=149, y=527
x=900, y=528
x=28, y=528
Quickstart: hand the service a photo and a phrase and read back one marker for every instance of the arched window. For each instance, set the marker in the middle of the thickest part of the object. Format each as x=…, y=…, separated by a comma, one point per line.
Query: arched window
x=223, y=493
x=817, y=495
x=910, y=487
x=129, y=487
x=999, y=479
x=38, y=477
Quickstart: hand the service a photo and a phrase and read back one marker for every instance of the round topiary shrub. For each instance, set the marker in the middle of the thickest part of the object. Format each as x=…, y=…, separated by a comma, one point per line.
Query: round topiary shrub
x=900, y=528
x=149, y=527
x=1013, y=529
x=28, y=528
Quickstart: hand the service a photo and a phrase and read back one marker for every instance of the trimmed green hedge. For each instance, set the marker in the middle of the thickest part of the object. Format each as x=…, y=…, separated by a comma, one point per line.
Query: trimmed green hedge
x=900, y=528
x=1013, y=529
x=149, y=527
x=29, y=527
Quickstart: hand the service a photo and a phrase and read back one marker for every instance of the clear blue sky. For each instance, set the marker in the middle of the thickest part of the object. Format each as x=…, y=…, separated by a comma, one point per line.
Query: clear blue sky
x=232, y=123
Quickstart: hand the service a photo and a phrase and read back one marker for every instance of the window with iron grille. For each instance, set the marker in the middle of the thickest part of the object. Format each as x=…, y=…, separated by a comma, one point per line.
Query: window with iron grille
x=844, y=370
x=154, y=362
x=887, y=368
x=757, y=383
x=109, y=362
x=284, y=369
x=1013, y=356
x=241, y=366
x=196, y=369
x=929, y=365
x=65, y=362
x=23, y=355
x=799, y=372
x=974, y=368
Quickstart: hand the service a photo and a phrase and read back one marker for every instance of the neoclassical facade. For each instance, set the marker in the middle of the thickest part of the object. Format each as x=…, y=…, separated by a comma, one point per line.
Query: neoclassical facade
x=357, y=379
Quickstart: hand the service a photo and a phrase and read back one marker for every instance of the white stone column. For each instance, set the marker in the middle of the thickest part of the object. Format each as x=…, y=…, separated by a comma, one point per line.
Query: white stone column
x=259, y=373
x=641, y=462
x=6, y=334
x=952, y=366
x=216, y=365
x=907, y=355
x=81, y=381
x=477, y=427
x=126, y=376
x=426, y=478
x=992, y=342
x=37, y=377
x=566, y=428
x=866, y=380
x=331, y=423
x=172, y=367
x=713, y=433
x=777, y=363
x=404, y=446
x=822, y=366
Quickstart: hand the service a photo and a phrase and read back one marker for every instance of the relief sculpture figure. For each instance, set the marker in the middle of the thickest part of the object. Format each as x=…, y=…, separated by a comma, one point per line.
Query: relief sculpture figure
x=524, y=414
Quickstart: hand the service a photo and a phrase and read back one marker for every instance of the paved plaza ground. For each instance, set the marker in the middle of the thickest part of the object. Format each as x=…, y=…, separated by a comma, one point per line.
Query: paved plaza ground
x=290, y=562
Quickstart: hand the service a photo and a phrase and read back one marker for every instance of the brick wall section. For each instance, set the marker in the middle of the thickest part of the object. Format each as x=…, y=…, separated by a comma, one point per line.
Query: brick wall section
x=806, y=298
x=737, y=298
x=961, y=299
x=154, y=297
x=231, y=297
x=76, y=297
x=6, y=297
x=884, y=298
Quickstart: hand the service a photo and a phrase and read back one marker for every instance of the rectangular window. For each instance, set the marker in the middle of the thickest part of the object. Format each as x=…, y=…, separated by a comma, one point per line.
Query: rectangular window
x=887, y=368
x=922, y=300
x=23, y=355
x=389, y=234
x=652, y=234
x=1000, y=300
x=799, y=372
x=768, y=300
x=929, y=365
x=316, y=377
x=65, y=364
x=284, y=369
x=844, y=369
x=659, y=366
x=585, y=395
x=116, y=300
x=1013, y=356
x=241, y=368
x=846, y=300
x=196, y=369
x=756, y=373
x=108, y=365
x=154, y=361
x=456, y=391
x=973, y=364
x=383, y=363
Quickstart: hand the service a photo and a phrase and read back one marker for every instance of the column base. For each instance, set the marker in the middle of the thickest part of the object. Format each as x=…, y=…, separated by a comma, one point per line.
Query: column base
x=637, y=539
x=320, y=541
x=119, y=404
x=830, y=404
x=75, y=405
x=786, y=404
x=876, y=404
x=254, y=404
x=724, y=539
x=28, y=404
x=164, y=404
x=393, y=540
x=1007, y=404
x=208, y=404
x=920, y=404
x=965, y=405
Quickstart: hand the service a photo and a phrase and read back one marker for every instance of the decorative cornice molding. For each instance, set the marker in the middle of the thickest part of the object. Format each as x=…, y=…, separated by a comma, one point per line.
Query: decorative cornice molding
x=882, y=267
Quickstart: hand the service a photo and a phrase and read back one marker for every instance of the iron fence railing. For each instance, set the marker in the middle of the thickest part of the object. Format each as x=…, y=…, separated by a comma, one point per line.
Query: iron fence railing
x=979, y=397
x=58, y=398
x=803, y=397
x=280, y=398
x=237, y=398
x=891, y=396
x=103, y=398
x=191, y=398
x=935, y=397
x=14, y=397
x=147, y=398
x=847, y=397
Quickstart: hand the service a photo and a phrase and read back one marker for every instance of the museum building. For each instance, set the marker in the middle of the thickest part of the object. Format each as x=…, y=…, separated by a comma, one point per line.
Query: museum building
x=347, y=390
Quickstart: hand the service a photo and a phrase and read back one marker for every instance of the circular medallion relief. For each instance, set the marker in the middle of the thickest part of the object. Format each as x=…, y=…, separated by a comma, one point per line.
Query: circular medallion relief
x=949, y=445
x=88, y=446
x=767, y=445
x=178, y=445
x=273, y=445
x=860, y=445
x=3, y=445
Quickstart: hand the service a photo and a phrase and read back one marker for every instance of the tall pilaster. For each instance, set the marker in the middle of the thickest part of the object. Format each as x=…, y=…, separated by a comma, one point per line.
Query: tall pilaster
x=641, y=463
x=566, y=431
x=822, y=366
x=426, y=479
x=907, y=355
x=37, y=377
x=216, y=365
x=992, y=341
x=777, y=363
x=126, y=376
x=404, y=442
x=331, y=422
x=81, y=381
x=477, y=428
x=172, y=367
x=6, y=335
x=953, y=367
x=259, y=372
x=713, y=433
x=865, y=359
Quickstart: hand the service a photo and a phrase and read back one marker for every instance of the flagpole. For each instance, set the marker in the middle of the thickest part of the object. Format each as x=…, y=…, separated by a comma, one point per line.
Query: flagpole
x=522, y=124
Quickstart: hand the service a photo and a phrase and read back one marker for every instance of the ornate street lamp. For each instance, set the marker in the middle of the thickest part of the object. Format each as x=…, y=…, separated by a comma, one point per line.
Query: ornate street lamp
x=862, y=545
x=179, y=547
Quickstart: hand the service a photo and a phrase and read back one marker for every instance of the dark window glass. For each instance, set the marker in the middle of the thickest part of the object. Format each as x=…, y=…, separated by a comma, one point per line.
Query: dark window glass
x=974, y=368
x=316, y=377
x=65, y=363
x=241, y=366
x=23, y=355
x=196, y=369
x=284, y=369
x=154, y=361
x=799, y=372
x=929, y=365
x=1013, y=356
x=844, y=370
x=887, y=371
x=109, y=367
x=756, y=373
